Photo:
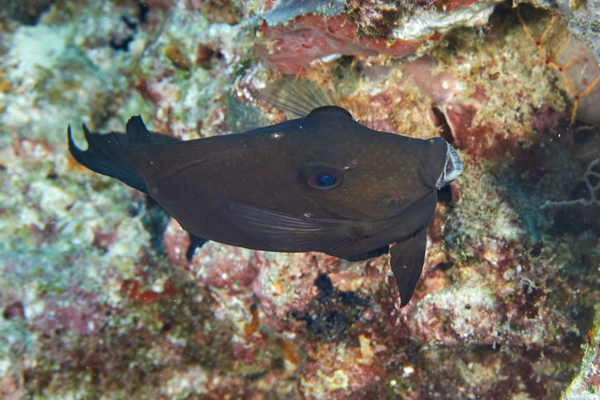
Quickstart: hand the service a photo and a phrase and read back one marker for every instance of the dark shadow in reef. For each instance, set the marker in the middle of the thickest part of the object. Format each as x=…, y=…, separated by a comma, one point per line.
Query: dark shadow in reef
x=122, y=42
x=332, y=312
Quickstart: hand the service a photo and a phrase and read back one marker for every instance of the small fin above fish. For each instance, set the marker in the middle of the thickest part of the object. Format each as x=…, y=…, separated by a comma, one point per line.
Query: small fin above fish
x=287, y=232
x=136, y=131
x=300, y=98
x=407, y=258
x=297, y=97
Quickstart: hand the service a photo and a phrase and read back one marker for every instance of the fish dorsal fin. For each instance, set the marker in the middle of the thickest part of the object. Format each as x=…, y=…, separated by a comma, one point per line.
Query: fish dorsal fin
x=287, y=232
x=300, y=98
x=137, y=131
x=331, y=110
x=297, y=97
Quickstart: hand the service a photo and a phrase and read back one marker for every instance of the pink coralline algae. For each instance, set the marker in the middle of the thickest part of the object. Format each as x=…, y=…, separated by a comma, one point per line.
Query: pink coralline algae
x=443, y=89
x=215, y=265
x=280, y=282
x=286, y=282
x=81, y=313
x=311, y=37
x=365, y=29
x=328, y=377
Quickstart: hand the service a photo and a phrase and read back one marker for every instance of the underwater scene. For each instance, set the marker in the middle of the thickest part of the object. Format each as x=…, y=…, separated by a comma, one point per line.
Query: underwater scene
x=300, y=199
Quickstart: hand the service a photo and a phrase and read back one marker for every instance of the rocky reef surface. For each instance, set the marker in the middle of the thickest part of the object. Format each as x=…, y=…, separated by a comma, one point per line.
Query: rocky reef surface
x=99, y=301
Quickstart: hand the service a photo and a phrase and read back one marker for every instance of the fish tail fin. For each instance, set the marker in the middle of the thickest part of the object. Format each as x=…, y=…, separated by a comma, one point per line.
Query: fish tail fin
x=105, y=154
x=105, y=157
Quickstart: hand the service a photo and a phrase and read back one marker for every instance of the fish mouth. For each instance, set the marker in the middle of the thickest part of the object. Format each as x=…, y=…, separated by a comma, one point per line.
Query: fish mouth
x=452, y=169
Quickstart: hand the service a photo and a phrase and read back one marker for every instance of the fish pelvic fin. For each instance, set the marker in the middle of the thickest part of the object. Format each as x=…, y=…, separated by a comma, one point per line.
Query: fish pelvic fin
x=196, y=242
x=407, y=258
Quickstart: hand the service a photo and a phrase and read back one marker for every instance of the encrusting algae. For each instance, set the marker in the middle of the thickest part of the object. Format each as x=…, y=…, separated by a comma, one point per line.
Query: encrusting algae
x=97, y=293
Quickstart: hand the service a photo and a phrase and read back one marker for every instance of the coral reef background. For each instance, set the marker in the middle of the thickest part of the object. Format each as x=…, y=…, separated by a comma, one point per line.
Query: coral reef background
x=98, y=300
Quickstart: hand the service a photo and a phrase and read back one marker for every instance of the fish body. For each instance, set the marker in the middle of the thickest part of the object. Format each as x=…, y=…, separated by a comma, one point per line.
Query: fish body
x=322, y=183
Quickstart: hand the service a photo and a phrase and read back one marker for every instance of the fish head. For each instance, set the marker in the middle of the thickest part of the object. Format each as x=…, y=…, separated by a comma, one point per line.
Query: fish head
x=354, y=172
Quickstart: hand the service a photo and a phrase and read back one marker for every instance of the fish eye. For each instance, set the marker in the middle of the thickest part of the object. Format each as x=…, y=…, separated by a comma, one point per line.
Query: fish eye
x=324, y=178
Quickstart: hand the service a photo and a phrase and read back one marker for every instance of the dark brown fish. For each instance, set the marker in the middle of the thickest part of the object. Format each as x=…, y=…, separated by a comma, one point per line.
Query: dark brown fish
x=321, y=183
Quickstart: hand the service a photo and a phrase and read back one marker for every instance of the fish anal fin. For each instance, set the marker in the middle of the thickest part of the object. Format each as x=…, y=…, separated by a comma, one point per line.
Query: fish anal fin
x=407, y=258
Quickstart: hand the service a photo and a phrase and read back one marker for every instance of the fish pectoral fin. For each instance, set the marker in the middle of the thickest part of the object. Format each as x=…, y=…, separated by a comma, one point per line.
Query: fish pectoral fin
x=287, y=232
x=407, y=258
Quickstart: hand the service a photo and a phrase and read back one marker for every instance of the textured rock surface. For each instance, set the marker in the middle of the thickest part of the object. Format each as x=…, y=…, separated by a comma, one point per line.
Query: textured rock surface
x=361, y=29
x=99, y=301
x=581, y=17
x=586, y=384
